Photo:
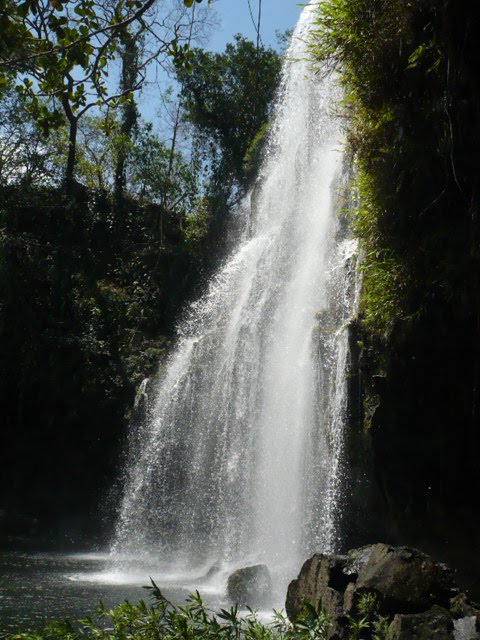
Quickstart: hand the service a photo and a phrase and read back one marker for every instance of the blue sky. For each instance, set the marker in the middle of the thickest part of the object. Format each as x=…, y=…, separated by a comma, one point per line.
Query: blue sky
x=235, y=18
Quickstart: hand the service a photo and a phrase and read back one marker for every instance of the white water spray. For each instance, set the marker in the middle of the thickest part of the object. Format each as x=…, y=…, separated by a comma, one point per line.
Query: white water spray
x=240, y=459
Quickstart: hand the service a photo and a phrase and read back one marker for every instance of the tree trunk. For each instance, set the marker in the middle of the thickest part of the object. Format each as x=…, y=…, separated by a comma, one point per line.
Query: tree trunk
x=129, y=56
x=72, y=156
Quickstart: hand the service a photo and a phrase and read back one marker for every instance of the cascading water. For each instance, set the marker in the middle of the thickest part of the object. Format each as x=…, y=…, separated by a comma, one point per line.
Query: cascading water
x=239, y=459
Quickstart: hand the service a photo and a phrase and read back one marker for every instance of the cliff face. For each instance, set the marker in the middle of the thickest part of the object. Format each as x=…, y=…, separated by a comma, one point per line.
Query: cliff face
x=413, y=103
x=414, y=438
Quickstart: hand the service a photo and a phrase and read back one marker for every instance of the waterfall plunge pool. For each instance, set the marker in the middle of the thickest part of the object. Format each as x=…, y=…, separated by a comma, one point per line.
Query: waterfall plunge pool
x=38, y=587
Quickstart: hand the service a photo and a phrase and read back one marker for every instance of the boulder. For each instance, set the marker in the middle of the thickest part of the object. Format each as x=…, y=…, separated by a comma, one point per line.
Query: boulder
x=322, y=579
x=406, y=590
x=250, y=586
x=404, y=580
x=212, y=572
x=435, y=623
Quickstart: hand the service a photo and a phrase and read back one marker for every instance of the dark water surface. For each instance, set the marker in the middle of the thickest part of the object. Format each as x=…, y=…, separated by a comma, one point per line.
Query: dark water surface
x=35, y=588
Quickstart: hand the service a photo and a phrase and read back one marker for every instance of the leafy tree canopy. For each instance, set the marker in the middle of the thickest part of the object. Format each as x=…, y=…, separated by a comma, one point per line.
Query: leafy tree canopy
x=60, y=52
x=228, y=96
x=62, y=48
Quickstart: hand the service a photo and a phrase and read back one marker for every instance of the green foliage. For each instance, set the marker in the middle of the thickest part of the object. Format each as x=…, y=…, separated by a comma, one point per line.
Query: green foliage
x=60, y=54
x=253, y=155
x=25, y=155
x=88, y=306
x=155, y=173
x=159, y=174
x=197, y=225
x=51, y=42
x=361, y=38
x=226, y=101
x=385, y=278
x=228, y=98
x=163, y=620
x=65, y=47
x=395, y=61
x=367, y=620
x=313, y=623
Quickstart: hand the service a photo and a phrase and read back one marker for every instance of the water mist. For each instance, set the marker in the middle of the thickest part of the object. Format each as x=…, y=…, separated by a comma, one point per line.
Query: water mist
x=240, y=460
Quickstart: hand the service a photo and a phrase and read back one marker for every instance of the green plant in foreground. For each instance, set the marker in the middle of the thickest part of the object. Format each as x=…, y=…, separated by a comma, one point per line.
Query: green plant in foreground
x=312, y=623
x=163, y=620
x=368, y=619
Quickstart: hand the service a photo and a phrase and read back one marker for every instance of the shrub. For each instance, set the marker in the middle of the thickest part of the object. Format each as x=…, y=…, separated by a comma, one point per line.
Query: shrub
x=167, y=621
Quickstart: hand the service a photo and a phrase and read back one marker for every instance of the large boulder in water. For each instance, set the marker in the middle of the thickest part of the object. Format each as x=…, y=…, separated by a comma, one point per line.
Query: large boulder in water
x=250, y=586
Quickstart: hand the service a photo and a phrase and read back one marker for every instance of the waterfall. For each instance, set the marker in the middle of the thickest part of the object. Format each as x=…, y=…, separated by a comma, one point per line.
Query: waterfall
x=240, y=459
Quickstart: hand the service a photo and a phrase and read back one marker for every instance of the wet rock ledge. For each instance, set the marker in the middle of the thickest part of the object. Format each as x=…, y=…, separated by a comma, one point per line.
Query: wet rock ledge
x=405, y=594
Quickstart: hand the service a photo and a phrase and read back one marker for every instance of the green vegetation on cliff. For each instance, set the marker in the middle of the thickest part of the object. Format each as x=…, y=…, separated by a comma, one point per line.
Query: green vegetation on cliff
x=411, y=101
